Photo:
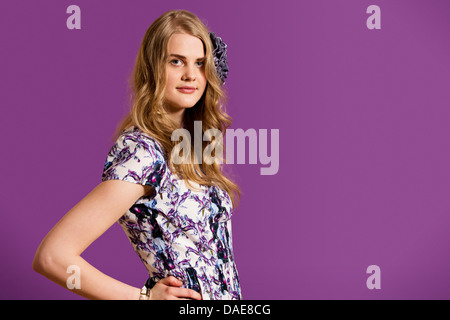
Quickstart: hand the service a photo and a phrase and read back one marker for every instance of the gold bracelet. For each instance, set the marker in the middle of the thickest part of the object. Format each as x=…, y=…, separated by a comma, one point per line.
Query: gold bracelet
x=145, y=294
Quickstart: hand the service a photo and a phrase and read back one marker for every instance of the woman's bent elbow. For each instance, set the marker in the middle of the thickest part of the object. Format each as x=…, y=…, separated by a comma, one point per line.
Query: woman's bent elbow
x=42, y=262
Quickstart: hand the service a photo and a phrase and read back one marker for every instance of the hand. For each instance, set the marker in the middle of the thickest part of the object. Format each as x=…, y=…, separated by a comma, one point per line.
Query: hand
x=167, y=289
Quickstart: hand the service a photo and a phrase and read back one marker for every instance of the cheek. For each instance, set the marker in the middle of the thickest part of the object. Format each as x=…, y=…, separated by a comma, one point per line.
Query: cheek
x=202, y=81
x=170, y=79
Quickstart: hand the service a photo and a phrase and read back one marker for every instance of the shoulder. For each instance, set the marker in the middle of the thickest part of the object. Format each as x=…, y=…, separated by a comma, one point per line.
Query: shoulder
x=135, y=157
x=133, y=137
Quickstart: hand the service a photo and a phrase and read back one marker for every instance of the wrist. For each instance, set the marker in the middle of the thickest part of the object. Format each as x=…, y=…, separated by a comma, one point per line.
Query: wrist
x=134, y=294
x=145, y=293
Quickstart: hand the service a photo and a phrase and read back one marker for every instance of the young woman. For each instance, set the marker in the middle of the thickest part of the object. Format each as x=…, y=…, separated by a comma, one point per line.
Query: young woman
x=176, y=215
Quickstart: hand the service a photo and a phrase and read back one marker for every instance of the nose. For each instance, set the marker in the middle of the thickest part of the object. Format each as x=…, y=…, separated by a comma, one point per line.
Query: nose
x=189, y=73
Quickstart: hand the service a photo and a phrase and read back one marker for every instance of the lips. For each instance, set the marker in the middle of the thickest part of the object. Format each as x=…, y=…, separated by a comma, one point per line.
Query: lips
x=186, y=89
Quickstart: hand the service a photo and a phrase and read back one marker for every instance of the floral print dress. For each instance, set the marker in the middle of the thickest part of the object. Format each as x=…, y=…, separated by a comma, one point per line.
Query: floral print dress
x=175, y=231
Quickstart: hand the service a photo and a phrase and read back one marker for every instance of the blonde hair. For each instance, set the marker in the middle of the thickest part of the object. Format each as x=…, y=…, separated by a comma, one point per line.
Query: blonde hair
x=148, y=82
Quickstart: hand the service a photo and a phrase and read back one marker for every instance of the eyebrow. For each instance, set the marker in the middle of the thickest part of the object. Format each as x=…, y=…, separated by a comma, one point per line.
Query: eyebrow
x=183, y=57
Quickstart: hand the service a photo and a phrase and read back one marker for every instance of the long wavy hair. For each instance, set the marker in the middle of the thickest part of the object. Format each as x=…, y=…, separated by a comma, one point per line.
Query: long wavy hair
x=147, y=84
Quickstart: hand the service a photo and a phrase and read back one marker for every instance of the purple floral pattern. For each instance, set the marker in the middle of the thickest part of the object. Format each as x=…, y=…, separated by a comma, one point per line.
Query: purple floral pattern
x=175, y=231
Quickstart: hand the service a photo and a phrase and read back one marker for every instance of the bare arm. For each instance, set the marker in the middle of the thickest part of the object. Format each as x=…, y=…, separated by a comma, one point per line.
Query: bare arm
x=81, y=226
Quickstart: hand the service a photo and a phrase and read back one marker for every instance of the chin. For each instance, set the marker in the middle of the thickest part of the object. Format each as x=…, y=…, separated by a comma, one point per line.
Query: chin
x=188, y=105
x=182, y=103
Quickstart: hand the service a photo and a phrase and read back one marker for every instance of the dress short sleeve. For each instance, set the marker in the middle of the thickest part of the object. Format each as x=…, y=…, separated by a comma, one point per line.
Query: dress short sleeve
x=137, y=158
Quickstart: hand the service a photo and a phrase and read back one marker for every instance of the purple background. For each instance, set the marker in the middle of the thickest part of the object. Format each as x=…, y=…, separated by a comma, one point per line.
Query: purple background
x=364, y=124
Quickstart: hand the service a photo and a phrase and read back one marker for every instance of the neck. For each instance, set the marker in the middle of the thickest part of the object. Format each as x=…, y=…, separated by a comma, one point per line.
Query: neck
x=176, y=116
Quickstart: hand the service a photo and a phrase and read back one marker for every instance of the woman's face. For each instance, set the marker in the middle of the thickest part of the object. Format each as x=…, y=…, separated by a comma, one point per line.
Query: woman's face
x=185, y=72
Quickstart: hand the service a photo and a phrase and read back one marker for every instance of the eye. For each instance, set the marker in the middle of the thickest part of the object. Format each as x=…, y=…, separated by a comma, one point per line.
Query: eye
x=176, y=62
x=200, y=63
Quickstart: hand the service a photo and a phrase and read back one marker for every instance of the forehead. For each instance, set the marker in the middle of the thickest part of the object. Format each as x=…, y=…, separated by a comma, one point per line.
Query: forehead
x=186, y=45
